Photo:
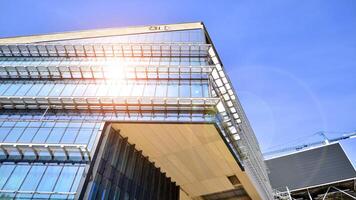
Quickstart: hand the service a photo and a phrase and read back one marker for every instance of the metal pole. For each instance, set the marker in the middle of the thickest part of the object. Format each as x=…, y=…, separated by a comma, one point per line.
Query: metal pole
x=290, y=196
x=309, y=195
x=344, y=192
x=45, y=112
x=326, y=193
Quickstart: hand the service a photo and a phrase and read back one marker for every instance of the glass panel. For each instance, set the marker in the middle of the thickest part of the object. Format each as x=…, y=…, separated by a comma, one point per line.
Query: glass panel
x=102, y=90
x=28, y=134
x=41, y=135
x=49, y=178
x=23, y=89
x=5, y=171
x=68, y=90
x=66, y=178
x=138, y=90
x=91, y=90
x=16, y=178
x=70, y=135
x=14, y=134
x=161, y=90
x=46, y=89
x=3, y=87
x=184, y=91
x=83, y=136
x=33, y=178
x=55, y=135
x=3, y=133
x=77, y=179
x=12, y=89
x=57, y=89
x=79, y=90
x=197, y=90
x=126, y=90
x=206, y=90
x=172, y=90
x=149, y=90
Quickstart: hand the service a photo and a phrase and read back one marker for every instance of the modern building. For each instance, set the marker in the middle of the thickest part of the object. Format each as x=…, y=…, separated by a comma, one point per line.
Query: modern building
x=125, y=113
x=323, y=172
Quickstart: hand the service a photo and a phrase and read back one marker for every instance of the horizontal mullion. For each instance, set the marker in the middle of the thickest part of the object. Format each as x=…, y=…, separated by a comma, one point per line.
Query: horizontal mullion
x=112, y=103
x=104, y=50
x=91, y=72
x=35, y=152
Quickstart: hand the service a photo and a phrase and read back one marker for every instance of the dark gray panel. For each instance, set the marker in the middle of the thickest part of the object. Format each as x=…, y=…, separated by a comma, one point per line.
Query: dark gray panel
x=125, y=173
x=313, y=167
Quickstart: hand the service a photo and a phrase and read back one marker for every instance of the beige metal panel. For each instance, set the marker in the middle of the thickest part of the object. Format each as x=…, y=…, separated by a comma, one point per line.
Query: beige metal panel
x=194, y=155
x=102, y=33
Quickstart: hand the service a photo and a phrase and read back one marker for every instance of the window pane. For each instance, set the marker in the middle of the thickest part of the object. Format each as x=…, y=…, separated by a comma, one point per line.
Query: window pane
x=41, y=135
x=68, y=90
x=91, y=90
x=70, y=135
x=5, y=171
x=172, y=90
x=34, y=90
x=56, y=90
x=3, y=133
x=184, y=91
x=149, y=90
x=23, y=89
x=55, y=135
x=206, y=90
x=126, y=90
x=33, y=177
x=28, y=134
x=46, y=89
x=102, y=90
x=83, y=136
x=12, y=89
x=49, y=178
x=137, y=90
x=161, y=90
x=14, y=134
x=79, y=90
x=77, y=179
x=3, y=87
x=66, y=178
x=16, y=177
x=197, y=90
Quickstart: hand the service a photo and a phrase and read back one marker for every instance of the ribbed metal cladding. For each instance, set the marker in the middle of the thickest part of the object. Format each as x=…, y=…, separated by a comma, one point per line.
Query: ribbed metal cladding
x=123, y=172
x=313, y=167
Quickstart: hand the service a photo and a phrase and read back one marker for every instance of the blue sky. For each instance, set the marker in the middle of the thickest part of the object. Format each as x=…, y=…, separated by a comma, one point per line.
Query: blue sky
x=292, y=62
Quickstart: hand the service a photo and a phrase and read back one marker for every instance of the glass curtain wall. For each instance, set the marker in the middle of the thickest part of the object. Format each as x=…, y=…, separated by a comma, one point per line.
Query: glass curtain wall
x=145, y=77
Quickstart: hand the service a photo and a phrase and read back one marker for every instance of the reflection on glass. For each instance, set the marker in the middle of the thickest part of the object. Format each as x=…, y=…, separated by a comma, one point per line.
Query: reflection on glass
x=16, y=178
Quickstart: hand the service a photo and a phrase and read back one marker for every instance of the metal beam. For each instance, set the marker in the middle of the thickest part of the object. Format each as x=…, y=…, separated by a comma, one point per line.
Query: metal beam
x=103, y=33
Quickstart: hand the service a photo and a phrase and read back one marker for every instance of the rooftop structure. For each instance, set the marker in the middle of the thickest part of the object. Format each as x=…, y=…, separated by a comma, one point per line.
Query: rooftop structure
x=324, y=172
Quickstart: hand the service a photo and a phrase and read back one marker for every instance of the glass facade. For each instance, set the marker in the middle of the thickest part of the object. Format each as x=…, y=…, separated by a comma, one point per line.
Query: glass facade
x=56, y=96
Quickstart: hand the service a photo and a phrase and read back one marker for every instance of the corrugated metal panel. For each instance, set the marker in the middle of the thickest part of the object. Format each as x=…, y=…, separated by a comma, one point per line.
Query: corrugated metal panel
x=308, y=168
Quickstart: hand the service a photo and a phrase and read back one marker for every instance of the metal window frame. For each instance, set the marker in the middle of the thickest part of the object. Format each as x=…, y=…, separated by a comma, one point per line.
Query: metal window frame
x=123, y=104
x=33, y=152
x=105, y=50
x=100, y=72
x=239, y=133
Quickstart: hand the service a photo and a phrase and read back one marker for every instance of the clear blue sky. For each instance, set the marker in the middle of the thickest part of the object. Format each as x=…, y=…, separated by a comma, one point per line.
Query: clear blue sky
x=292, y=62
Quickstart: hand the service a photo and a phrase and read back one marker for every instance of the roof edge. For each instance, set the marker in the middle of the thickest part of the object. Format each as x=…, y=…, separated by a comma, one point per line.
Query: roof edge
x=71, y=35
